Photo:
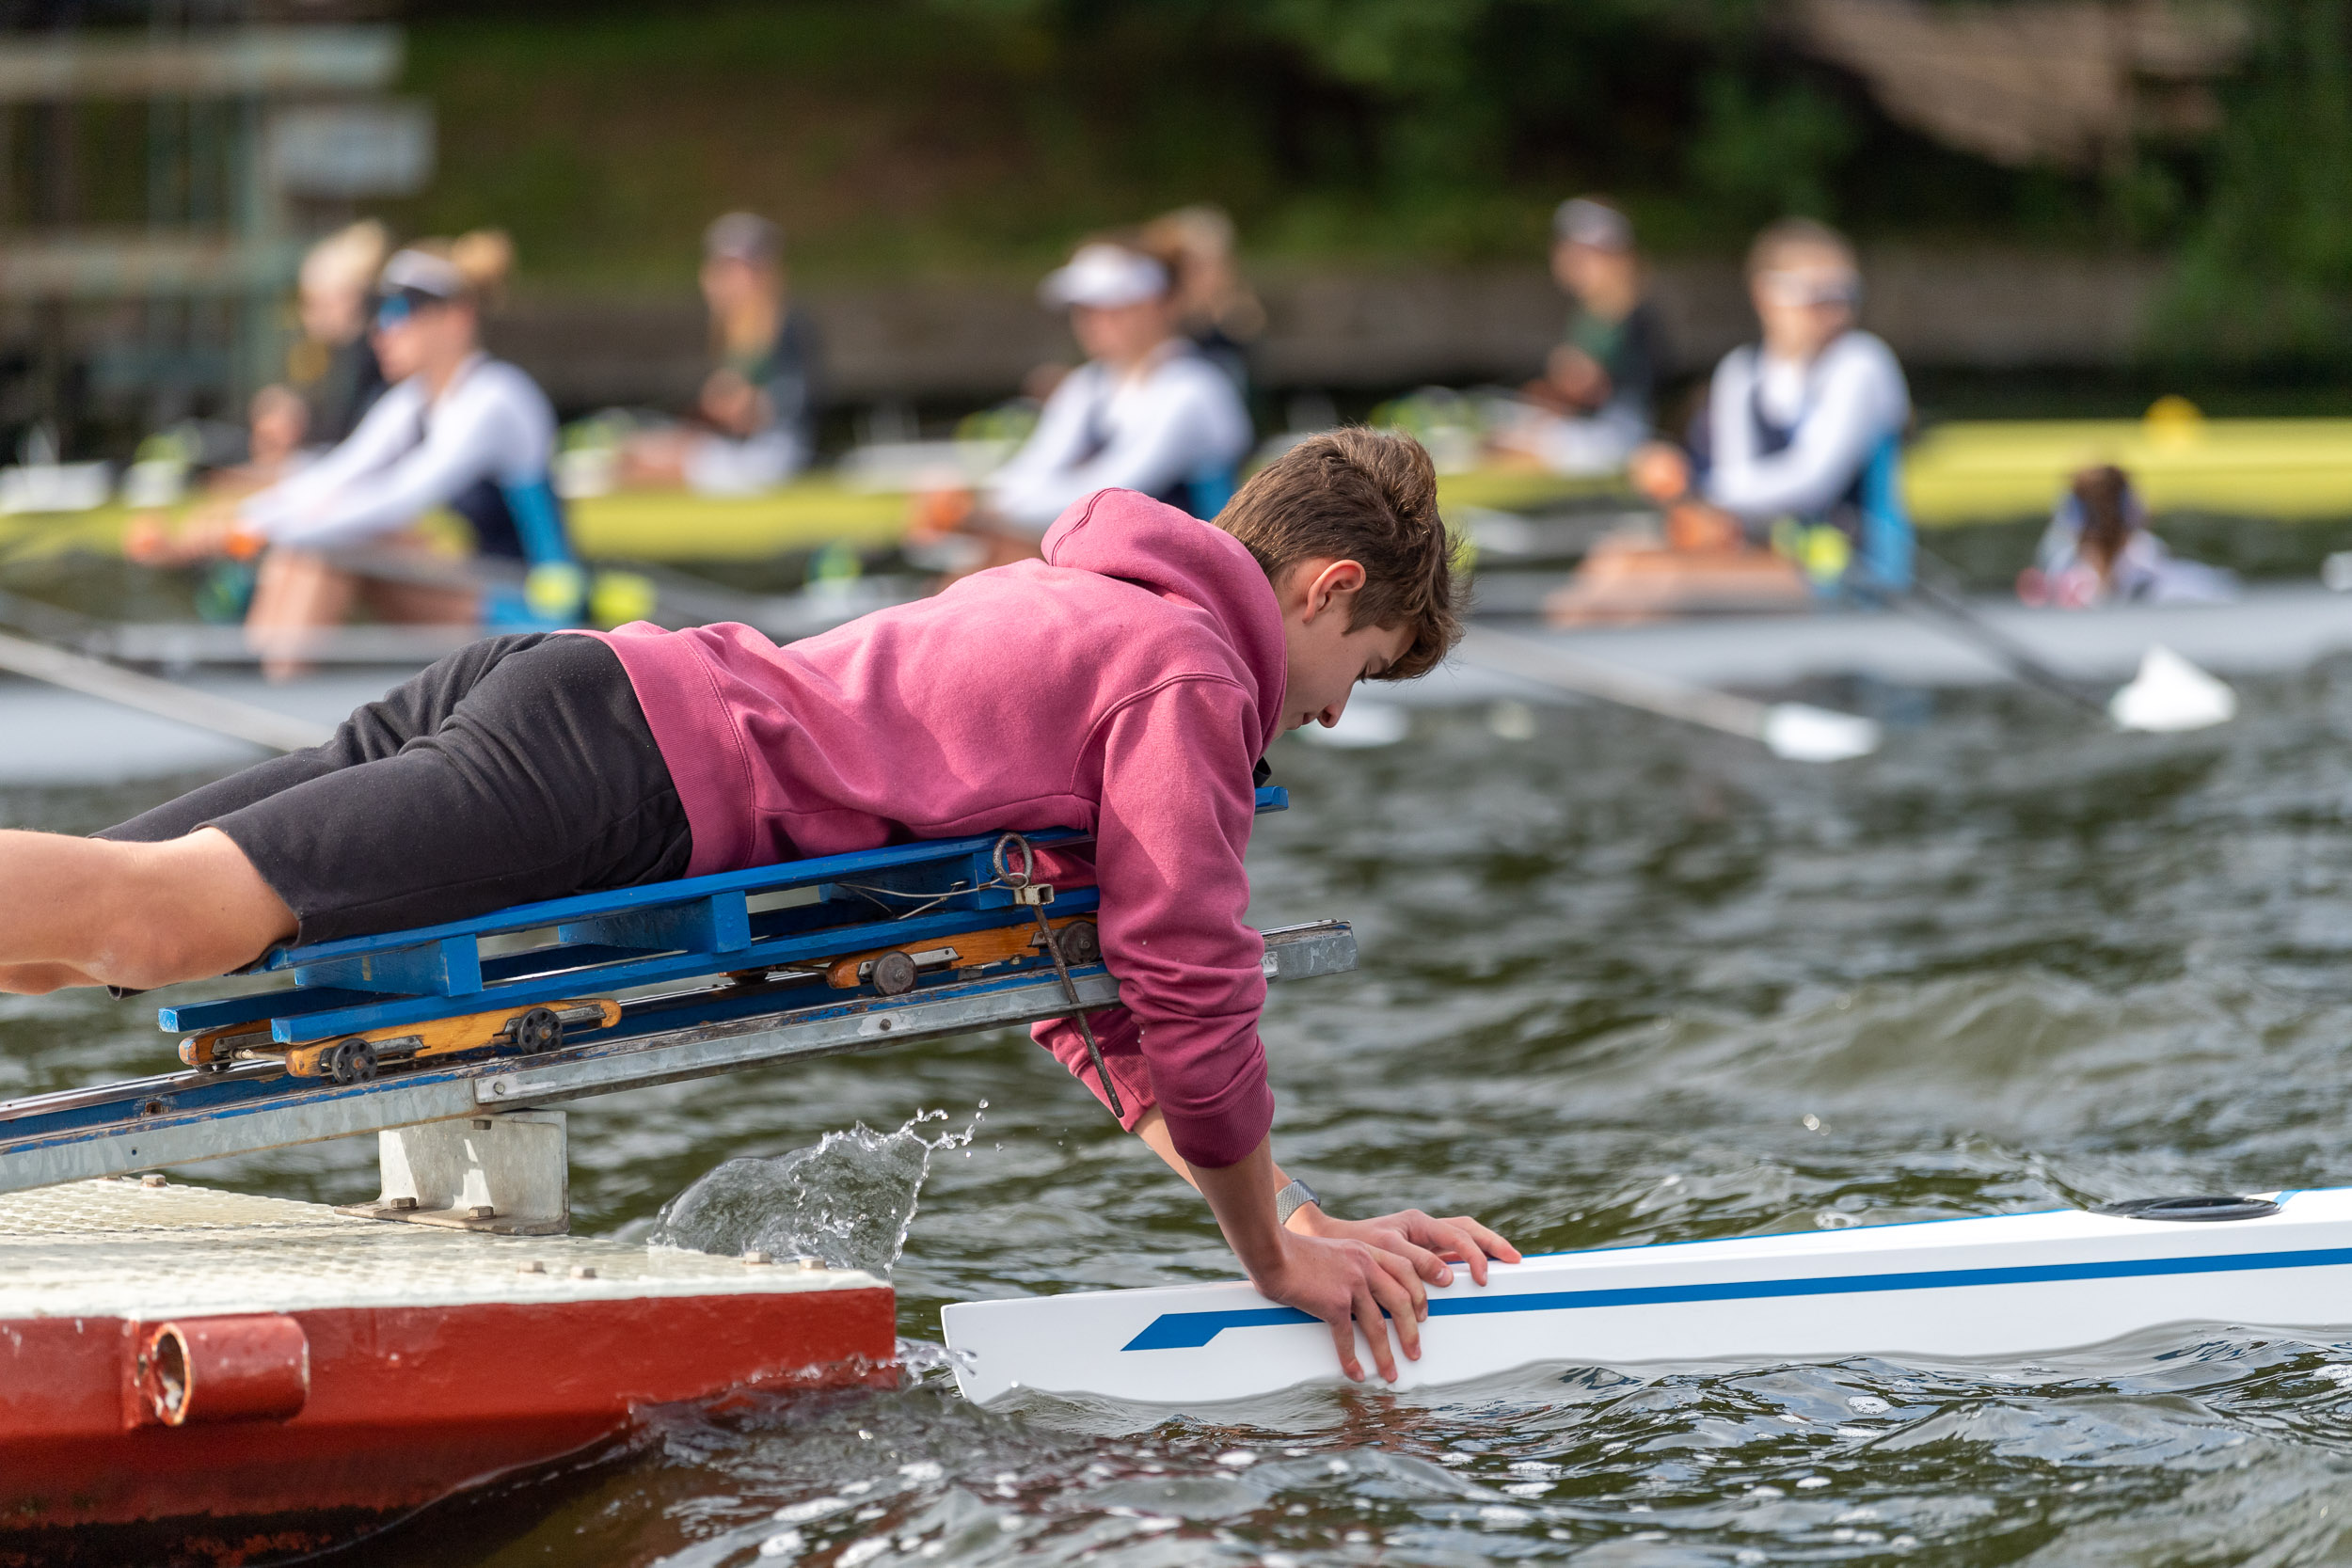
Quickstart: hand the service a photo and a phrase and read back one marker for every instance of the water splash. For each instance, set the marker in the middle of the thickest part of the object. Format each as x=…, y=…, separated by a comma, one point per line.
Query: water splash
x=850, y=1199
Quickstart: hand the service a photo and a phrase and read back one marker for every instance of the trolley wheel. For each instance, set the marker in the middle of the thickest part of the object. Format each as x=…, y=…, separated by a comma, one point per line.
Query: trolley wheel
x=538, y=1030
x=1079, y=942
x=893, y=973
x=351, y=1061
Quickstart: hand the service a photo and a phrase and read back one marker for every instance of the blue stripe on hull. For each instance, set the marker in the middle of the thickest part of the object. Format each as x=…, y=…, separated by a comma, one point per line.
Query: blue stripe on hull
x=1192, y=1330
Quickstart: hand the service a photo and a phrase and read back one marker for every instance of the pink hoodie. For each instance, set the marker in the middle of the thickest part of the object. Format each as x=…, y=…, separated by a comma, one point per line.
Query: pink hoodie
x=1127, y=684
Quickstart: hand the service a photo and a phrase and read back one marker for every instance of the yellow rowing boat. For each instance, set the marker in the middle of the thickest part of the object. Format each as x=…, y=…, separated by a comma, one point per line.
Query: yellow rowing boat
x=1993, y=470
x=672, y=525
x=1966, y=471
x=642, y=525
x=1980, y=470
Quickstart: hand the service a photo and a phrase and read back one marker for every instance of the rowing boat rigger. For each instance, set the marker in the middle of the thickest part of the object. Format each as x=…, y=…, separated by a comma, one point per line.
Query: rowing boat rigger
x=2000, y=1286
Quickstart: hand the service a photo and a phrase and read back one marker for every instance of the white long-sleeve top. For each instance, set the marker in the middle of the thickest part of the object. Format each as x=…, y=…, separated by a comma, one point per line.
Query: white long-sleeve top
x=1177, y=420
x=411, y=454
x=2143, y=572
x=1838, y=408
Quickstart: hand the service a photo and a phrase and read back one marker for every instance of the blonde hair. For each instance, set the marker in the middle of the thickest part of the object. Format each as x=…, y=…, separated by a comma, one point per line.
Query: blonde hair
x=1777, y=242
x=1200, y=230
x=347, y=261
x=483, y=256
x=1196, y=244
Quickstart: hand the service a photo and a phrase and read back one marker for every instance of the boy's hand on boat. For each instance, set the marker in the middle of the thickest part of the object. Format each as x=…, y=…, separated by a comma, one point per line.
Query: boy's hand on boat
x=1424, y=1242
x=1351, y=1284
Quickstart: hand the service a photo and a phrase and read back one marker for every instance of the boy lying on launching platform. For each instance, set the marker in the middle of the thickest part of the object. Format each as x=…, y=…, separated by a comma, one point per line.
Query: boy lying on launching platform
x=1128, y=684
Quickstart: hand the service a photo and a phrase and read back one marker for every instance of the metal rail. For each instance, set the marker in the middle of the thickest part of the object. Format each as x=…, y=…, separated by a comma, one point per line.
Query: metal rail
x=179, y=1119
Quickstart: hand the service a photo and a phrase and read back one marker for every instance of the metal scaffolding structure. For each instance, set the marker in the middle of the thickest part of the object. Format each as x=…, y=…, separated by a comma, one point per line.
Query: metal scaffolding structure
x=146, y=259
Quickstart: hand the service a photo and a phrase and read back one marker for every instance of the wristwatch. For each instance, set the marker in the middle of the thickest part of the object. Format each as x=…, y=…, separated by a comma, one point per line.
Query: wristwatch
x=1293, y=1198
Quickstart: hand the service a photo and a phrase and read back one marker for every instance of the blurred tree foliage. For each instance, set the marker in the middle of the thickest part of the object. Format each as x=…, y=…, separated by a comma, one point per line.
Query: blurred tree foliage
x=2265, y=265
x=972, y=135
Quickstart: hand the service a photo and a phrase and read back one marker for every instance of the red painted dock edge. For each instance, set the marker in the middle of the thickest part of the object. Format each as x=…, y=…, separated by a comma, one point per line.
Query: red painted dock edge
x=407, y=1405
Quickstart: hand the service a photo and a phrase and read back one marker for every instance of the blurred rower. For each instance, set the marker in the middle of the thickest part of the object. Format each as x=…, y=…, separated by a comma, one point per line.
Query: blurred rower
x=1796, y=450
x=758, y=408
x=457, y=430
x=1592, y=406
x=1215, y=306
x=333, y=364
x=1793, y=425
x=2099, y=549
x=1146, y=411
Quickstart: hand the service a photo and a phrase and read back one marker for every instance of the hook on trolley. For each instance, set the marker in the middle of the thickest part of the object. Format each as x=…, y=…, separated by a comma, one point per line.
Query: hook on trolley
x=1005, y=872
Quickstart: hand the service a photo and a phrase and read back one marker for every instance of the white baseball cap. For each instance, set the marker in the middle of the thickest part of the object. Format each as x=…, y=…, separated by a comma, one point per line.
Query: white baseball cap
x=419, y=273
x=1105, y=276
x=1584, y=221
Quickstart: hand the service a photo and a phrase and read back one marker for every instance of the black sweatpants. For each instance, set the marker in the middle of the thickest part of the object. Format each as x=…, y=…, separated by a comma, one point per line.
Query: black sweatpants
x=515, y=770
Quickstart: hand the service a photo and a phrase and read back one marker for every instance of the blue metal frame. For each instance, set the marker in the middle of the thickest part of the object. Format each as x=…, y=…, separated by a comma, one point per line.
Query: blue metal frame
x=636, y=936
x=180, y=1096
x=697, y=1030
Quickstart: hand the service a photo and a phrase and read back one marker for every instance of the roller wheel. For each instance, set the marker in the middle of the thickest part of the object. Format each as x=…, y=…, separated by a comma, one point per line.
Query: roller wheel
x=1079, y=942
x=351, y=1061
x=538, y=1030
x=893, y=973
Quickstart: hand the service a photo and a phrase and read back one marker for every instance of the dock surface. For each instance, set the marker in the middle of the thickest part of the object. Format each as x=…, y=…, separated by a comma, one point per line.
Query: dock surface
x=174, y=1358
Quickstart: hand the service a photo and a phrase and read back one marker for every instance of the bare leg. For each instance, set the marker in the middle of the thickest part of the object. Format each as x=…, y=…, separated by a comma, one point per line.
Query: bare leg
x=420, y=604
x=99, y=911
x=657, y=458
x=41, y=979
x=296, y=595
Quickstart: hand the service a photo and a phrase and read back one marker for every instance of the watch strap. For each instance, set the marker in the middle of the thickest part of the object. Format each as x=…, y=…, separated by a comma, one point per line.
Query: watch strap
x=1293, y=1198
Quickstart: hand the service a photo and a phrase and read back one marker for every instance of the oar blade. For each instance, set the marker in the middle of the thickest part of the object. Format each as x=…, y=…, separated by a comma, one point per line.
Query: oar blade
x=2169, y=694
x=1803, y=733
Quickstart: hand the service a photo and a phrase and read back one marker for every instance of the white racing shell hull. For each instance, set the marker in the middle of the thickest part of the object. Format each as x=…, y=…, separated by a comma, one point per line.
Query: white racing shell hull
x=2000, y=1286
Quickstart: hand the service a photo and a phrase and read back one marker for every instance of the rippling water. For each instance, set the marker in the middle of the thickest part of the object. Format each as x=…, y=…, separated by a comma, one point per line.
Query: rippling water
x=1622, y=983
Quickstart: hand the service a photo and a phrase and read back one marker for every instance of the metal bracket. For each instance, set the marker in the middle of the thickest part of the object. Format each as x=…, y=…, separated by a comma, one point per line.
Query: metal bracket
x=507, y=1174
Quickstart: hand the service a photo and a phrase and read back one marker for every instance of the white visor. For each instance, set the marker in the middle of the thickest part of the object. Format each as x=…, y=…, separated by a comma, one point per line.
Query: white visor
x=1105, y=276
x=421, y=271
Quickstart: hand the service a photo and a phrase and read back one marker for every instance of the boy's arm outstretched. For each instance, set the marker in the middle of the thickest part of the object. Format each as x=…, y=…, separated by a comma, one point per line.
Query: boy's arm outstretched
x=1352, y=1271
x=1176, y=816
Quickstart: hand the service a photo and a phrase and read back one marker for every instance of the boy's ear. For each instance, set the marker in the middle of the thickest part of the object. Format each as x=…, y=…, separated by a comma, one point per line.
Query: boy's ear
x=1316, y=583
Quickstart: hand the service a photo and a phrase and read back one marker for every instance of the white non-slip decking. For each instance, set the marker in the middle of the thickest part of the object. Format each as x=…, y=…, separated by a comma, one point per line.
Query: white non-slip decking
x=118, y=1248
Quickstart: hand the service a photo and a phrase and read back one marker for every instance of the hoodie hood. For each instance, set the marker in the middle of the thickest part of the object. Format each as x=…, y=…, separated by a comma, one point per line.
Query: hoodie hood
x=1127, y=535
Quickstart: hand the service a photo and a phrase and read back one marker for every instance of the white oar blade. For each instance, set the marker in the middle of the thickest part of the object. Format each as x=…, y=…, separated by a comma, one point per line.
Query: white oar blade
x=2170, y=693
x=1793, y=730
x=1803, y=733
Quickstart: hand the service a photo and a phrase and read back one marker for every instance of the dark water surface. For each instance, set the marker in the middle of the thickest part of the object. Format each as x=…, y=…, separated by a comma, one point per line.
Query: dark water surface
x=1622, y=983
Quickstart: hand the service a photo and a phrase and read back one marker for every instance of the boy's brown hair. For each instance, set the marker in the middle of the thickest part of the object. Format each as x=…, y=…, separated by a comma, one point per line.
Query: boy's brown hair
x=1370, y=496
